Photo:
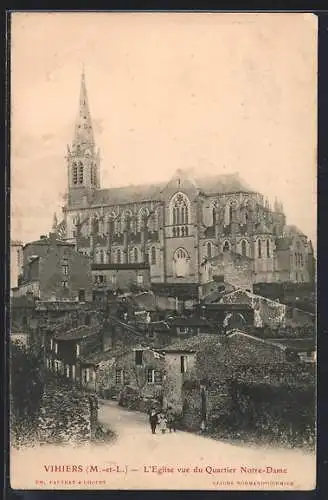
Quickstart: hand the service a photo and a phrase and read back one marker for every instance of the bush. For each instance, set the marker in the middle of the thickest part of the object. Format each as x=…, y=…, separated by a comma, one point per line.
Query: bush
x=283, y=412
x=26, y=390
x=129, y=398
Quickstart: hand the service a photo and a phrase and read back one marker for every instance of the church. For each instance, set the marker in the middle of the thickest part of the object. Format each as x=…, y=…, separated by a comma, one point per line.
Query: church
x=188, y=230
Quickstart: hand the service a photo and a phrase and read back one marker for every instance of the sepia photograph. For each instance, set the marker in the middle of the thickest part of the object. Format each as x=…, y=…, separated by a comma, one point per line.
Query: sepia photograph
x=163, y=251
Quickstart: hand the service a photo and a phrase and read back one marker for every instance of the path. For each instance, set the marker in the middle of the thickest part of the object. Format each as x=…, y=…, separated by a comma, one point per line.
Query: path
x=136, y=445
x=139, y=460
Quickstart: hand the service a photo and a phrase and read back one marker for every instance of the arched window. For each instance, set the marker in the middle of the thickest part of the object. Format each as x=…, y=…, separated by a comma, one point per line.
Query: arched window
x=296, y=259
x=80, y=173
x=126, y=221
x=74, y=175
x=118, y=256
x=179, y=215
x=101, y=226
x=113, y=223
x=181, y=263
x=244, y=248
x=268, y=248
x=153, y=221
x=228, y=214
x=214, y=216
x=209, y=250
x=142, y=219
x=135, y=255
x=96, y=225
x=226, y=246
x=259, y=249
x=153, y=255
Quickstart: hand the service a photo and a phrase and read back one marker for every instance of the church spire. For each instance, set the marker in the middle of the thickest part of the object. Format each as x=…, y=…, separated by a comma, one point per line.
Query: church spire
x=83, y=136
x=54, y=222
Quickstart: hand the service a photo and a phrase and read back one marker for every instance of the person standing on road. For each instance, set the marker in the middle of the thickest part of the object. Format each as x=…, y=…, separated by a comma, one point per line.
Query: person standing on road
x=162, y=421
x=153, y=420
x=171, y=419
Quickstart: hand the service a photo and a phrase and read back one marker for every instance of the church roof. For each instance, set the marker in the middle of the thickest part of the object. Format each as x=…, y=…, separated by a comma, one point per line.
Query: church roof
x=283, y=243
x=209, y=185
x=292, y=230
x=128, y=194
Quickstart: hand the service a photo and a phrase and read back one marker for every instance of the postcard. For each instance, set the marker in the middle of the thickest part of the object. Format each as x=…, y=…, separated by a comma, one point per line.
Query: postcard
x=163, y=251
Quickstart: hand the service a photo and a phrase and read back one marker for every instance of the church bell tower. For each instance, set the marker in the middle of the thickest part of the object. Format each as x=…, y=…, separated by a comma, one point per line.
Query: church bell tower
x=83, y=160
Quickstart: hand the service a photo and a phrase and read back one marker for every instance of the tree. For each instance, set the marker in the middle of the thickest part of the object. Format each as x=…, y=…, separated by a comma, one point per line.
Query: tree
x=26, y=389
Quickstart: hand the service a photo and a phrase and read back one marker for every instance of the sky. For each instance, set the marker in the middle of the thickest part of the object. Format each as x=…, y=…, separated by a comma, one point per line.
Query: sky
x=217, y=93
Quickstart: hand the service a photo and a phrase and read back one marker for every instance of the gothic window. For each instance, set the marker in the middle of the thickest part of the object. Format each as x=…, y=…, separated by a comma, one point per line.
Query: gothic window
x=142, y=219
x=96, y=225
x=259, y=249
x=181, y=262
x=135, y=255
x=112, y=223
x=180, y=215
x=153, y=221
x=268, y=248
x=101, y=226
x=80, y=173
x=214, y=216
x=296, y=259
x=226, y=246
x=74, y=173
x=153, y=255
x=209, y=250
x=118, y=256
x=244, y=248
x=126, y=221
x=228, y=214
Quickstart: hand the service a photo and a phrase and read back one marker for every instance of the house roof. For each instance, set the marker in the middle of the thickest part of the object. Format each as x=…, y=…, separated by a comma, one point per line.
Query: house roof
x=192, y=321
x=192, y=344
x=57, y=305
x=113, y=354
x=227, y=307
x=198, y=342
x=47, y=241
x=77, y=333
x=298, y=345
x=119, y=267
x=23, y=301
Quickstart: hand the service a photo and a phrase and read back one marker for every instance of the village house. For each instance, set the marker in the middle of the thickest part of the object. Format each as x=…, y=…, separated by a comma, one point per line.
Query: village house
x=107, y=278
x=63, y=351
x=23, y=317
x=194, y=364
x=53, y=270
x=231, y=267
x=138, y=368
x=221, y=317
x=269, y=313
